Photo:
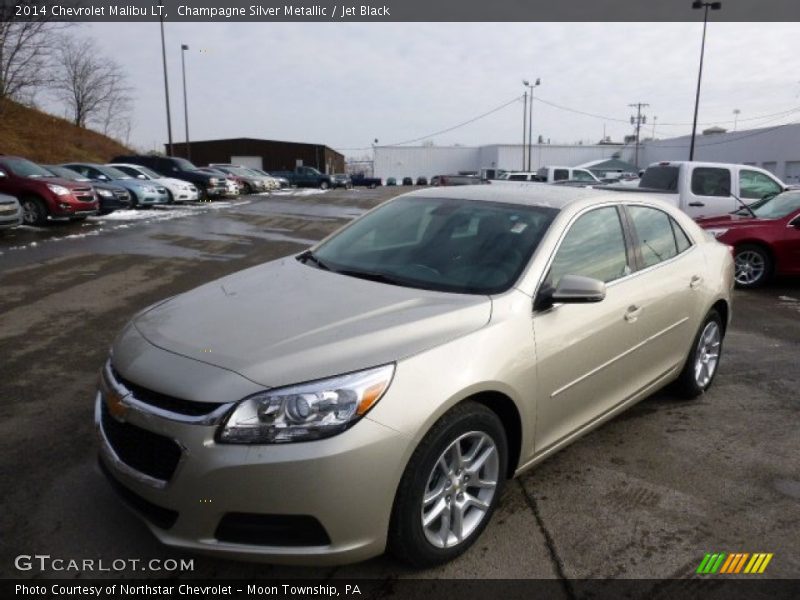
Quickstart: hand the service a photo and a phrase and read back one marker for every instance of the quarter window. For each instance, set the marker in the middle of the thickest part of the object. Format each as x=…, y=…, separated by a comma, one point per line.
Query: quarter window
x=753, y=184
x=710, y=181
x=593, y=247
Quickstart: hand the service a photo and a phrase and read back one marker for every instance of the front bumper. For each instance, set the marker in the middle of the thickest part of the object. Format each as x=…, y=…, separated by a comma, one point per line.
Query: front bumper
x=346, y=483
x=10, y=216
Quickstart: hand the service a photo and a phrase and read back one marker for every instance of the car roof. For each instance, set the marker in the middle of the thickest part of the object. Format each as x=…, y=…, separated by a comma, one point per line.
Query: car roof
x=531, y=194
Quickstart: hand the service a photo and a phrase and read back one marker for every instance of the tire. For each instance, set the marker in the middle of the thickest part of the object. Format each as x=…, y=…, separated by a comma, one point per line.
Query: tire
x=170, y=197
x=246, y=189
x=753, y=266
x=465, y=425
x=34, y=211
x=693, y=380
x=324, y=185
x=134, y=200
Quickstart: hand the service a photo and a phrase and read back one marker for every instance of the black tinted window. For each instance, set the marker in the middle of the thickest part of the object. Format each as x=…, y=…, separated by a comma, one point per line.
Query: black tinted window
x=593, y=247
x=560, y=174
x=660, y=178
x=711, y=181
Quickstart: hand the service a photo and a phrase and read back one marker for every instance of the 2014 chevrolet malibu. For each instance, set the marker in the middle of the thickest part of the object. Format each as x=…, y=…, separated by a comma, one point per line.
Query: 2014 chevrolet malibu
x=377, y=390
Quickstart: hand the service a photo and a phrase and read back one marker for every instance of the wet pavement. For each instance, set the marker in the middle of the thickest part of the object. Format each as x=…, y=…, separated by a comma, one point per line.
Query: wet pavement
x=646, y=495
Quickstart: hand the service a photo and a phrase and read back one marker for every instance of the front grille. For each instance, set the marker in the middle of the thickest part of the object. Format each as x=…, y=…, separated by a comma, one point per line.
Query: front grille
x=271, y=530
x=120, y=195
x=161, y=190
x=84, y=194
x=147, y=452
x=157, y=515
x=188, y=408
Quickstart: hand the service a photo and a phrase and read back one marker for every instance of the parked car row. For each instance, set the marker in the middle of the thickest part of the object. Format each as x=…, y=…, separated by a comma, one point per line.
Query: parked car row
x=34, y=193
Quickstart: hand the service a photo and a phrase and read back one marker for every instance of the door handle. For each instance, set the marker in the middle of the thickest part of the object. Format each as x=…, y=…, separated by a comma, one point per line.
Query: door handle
x=633, y=313
x=695, y=282
x=696, y=203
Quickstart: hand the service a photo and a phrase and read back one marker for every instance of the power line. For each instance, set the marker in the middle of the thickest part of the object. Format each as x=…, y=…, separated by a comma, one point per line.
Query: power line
x=449, y=129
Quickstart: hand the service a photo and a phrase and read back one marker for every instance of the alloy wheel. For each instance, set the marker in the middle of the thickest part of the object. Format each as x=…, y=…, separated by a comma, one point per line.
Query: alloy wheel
x=460, y=489
x=707, y=354
x=750, y=267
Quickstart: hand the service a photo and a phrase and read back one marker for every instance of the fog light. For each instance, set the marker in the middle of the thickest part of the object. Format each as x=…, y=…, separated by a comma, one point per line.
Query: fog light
x=64, y=206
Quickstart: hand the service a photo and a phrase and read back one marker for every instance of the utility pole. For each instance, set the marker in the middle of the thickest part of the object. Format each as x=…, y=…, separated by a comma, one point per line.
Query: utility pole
x=166, y=83
x=530, y=86
x=184, y=48
x=655, y=118
x=638, y=120
x=698, y=5
x=736, y=113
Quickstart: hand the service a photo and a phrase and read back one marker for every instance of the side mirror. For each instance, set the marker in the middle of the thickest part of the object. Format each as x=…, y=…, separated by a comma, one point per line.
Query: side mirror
x=102, y=177
x=2, y=174
x=572, y=289
x=140, y=176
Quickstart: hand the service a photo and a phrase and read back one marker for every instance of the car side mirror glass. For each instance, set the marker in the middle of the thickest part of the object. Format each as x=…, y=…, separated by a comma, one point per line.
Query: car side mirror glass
x=102, y=178
x=571, y=289
x=140, y=176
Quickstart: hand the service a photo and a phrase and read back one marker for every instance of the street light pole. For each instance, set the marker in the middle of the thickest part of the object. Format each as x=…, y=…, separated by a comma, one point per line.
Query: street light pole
x=166, y=81
x=184, y=48
x=524, y=125
x=736, y=113
x=698, y=4
x=530, y=121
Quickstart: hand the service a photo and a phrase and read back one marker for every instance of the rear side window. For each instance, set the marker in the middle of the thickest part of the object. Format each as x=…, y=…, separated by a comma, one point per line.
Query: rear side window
x=580, y=175
x=711, y=181
x=660, y=237
x=660, y=178
x=593, y=247
x=560, y=174
x=518, y=177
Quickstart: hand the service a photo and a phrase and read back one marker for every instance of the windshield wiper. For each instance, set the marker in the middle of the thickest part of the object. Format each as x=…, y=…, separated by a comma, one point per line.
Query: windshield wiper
x=308, y=255
x=376, y=276
x=745, y=205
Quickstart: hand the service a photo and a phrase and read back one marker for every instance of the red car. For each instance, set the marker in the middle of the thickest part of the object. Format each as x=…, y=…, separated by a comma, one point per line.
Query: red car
x=766, y=241
x=43, y=195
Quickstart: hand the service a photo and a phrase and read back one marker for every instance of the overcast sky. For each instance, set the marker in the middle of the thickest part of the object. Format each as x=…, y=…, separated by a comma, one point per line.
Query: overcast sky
x=345, y=84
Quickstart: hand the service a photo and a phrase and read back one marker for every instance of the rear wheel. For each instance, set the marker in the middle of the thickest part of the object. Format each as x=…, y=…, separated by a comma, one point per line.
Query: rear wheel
x=34, y=211
x=701, y=365
x=450, y=487
x=753, y=266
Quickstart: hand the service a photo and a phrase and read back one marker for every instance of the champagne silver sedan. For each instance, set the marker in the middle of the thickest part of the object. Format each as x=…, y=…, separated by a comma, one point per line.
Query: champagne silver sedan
x=376, y=391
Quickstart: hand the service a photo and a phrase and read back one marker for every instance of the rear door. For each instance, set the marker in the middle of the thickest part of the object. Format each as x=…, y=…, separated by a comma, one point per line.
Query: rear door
x=709, y=192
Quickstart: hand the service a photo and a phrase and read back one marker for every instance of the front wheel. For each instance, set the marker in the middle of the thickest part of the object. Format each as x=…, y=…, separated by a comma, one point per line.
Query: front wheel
x=450, y=487
x=324, y=185
x=34, y=211
x=753, y=266
x=701, y=365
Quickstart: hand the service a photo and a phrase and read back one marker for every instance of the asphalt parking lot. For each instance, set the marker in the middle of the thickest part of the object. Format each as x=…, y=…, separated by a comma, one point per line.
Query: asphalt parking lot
x=644, y=496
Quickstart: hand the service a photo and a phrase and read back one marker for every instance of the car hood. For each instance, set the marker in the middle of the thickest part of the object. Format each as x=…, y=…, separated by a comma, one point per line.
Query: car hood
x=171, y=181
x=731, y=221
x=285, y=322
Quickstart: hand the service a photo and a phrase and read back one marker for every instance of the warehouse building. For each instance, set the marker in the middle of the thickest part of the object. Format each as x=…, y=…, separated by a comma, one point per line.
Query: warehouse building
x=776, y=149
x=268, y=155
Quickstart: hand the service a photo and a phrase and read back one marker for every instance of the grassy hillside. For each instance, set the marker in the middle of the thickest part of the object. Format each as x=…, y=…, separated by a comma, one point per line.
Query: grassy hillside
x=47, y=139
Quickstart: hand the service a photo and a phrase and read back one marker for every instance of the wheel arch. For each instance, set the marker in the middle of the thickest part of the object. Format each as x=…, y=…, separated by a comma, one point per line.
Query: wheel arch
x=508, y=413
x=722, y=307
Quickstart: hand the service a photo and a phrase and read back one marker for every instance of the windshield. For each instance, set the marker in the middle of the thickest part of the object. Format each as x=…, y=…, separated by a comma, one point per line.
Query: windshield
x=660, y=178
x=25, y=168
x=443, y=244
x=149, y=172
x=65, y=173
x=184, y=165
x=778, y=206
x=113, y=173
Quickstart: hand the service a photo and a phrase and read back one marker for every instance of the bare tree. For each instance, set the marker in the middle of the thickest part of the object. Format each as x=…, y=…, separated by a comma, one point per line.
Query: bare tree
x=92, y=86
x=26, y=49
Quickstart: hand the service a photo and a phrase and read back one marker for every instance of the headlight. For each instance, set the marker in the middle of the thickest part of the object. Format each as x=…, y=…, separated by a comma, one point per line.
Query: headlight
x=717, y=232
x=308, y=411
x=59, y=190
x=148, y=189
x=104, y=193
x=213, y=181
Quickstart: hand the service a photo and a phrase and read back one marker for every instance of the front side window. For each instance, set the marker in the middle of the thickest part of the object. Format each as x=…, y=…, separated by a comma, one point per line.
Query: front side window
x=444, y=244
x=593, y=247
x=711, y=181
x=656, y=233
x=581, y=175
x=779, y=206
x=753, y=184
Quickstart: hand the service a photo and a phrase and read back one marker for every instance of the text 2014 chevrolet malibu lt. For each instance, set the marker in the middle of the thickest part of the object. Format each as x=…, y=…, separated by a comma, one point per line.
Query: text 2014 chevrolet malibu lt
x=377, y=390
